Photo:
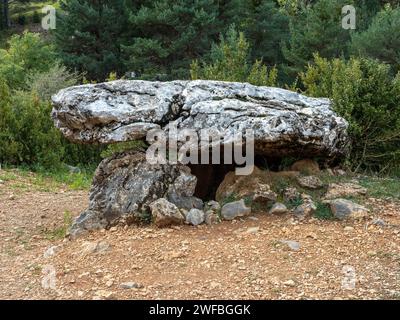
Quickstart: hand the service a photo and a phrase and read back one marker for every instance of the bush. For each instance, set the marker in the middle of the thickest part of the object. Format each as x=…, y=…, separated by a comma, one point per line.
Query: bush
x=26, y=54
x=229, y=62
x=45, y=84
x=27, y=135
x=366, y=94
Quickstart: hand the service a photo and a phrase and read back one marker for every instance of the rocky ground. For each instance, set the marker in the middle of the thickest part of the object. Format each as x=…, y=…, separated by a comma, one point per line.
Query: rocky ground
x=262, y=256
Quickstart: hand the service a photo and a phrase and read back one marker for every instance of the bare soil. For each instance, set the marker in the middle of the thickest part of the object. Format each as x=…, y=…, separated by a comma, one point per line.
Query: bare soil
x=242, y=259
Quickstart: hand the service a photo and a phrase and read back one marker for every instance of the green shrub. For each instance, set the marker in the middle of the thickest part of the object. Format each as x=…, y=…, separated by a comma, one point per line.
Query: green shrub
x=230, y=62
x=47, y=83
x=26, y=54
x=27, y=134
x=366, y=94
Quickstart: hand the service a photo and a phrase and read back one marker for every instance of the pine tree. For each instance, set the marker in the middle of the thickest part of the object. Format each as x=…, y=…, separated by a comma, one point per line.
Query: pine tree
x=90, y=33
x=316, y=29
x=229, y=60
x=382, y=39
x=169, y=35
x=266, y=29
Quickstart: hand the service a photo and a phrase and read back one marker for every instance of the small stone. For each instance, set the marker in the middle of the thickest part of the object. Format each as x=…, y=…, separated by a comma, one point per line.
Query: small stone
x=100, y=247
x=211, y=217
x=264, y=195
x=337, y=190
x=344, y=209
x=51, y=251
x=235, y=209
x=289, y=283
x=278, y=208
x=165, y=213
x=310, y=182
x=11, y=197
x=253, y=230
x=131, y=285
x=104, y=294
x=290, y=194
x=195, y=217
x=213, y=205
x=293, y=245
x=379, y=222
x=348, y=228
x=306, y=209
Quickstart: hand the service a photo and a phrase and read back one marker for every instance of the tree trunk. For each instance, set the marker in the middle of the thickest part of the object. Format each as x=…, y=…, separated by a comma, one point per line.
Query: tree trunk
x=6, y=17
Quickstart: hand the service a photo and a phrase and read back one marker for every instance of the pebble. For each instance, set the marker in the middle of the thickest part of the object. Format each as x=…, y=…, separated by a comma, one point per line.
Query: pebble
x=293, y=245
x=131, y=285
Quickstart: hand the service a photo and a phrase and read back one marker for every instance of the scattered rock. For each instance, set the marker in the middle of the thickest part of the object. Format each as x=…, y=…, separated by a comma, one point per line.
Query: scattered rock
x=131, y=285
x=337, y=190
x=289, y=283
x=103, y=294
x=100, y=247
x=306, y=166
x=235, y=209
x=165, y=213
x=264, y=195
x=213, y=205
x=211, y=217
x=293, y=245
x=253, y=230
x=195, y=217
x=344, y=209
x=379, y=222
x=291, y=194
x=278, y=208
x=306, y=209
x=310, y=182
x=51, y=251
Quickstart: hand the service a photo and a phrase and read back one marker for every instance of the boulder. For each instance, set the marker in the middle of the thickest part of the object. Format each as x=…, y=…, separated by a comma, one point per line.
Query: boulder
x=338, y=190
x=165, y=213
x=346, y=209
x=306, y=166
x=278, y=208
x=195, y=217
x=256, y=186
x=310, y=182
x=285, y=123
x=123, y=187
x=235, y=209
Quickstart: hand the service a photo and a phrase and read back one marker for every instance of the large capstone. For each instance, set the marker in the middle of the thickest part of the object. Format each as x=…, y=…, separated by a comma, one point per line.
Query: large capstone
x=284, y=122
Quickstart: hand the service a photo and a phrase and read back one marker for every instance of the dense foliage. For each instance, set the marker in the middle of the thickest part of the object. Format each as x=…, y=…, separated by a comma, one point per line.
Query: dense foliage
x=298, y=44
x=367, y=95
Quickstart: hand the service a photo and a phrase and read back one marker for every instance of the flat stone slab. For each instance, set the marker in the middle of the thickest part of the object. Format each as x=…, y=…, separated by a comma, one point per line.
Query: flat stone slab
x=284, y=122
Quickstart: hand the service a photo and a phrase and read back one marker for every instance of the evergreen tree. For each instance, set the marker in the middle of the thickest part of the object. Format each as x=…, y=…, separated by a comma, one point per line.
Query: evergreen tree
x=169, y=35
x=316, y=29
x=267, y=28
x=90, y=33
x=230, y=61
x=382, y=39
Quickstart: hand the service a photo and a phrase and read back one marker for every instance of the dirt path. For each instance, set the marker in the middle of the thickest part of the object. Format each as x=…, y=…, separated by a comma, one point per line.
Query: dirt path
x=232, y=260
